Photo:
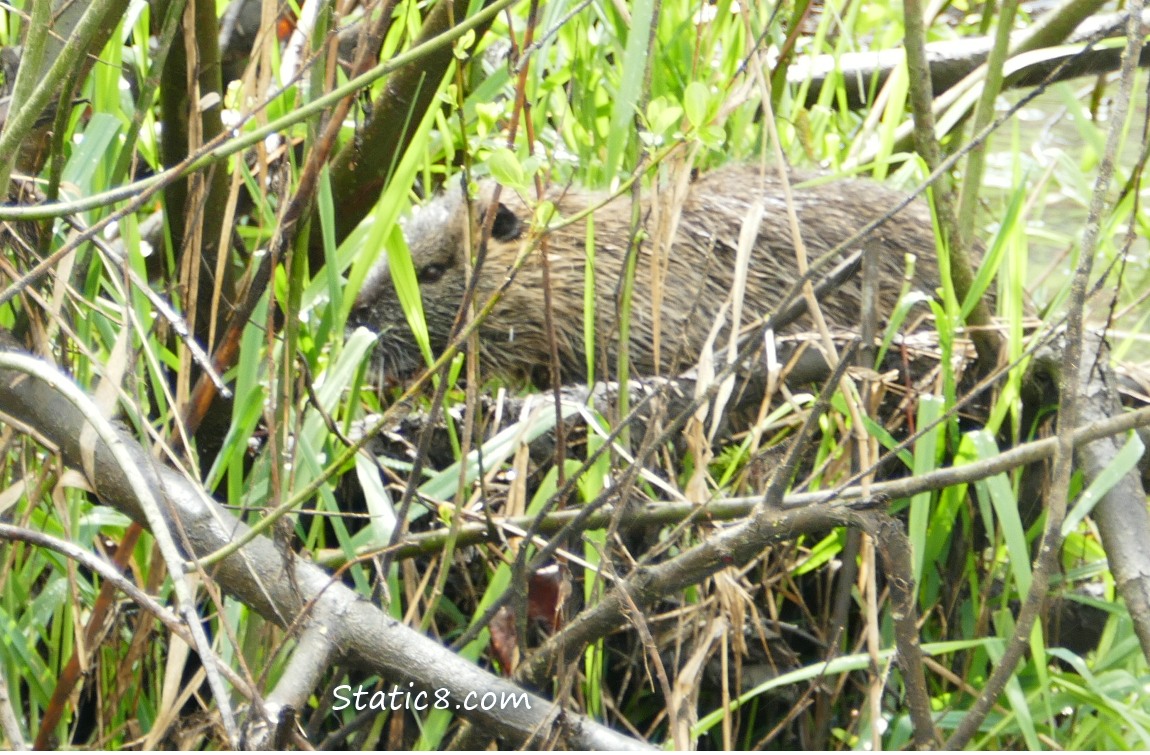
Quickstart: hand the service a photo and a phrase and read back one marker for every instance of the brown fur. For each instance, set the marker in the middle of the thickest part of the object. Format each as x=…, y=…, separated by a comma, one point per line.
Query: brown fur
x=699, y=272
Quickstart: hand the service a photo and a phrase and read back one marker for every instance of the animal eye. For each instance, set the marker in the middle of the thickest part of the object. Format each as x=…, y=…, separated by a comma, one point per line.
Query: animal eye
x=359, y=315
x=505, y=226
x=431, y=273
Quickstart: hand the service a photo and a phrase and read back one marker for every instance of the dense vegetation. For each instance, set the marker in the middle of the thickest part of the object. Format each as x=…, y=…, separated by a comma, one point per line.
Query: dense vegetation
x=190, y=211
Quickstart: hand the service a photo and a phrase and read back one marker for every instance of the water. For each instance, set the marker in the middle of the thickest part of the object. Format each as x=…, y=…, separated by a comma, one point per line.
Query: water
x=1052, y=148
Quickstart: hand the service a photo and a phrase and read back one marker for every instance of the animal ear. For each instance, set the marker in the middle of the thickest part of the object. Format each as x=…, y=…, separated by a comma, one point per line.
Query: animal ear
x=506, y=225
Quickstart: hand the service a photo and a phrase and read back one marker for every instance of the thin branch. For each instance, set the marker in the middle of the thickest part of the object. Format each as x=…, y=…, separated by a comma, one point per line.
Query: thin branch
x=1075, y=375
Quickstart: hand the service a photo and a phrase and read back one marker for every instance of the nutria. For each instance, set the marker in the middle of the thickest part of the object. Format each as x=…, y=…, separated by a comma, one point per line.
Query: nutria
x=513, y=338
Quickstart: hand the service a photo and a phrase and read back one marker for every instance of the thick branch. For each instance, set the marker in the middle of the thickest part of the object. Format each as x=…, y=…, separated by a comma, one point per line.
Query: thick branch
x=259, y=576
x=360, y=170
x=952, y=60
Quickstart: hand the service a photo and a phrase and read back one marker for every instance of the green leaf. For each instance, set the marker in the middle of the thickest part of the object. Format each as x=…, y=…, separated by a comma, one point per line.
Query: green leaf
x=506, y=169
x=635, y=61
x=407, y=289
x=1123, y=462
x=925, y=460
x=1005, y=503
x=713, y=136
x=695, y=101
x=663, y=115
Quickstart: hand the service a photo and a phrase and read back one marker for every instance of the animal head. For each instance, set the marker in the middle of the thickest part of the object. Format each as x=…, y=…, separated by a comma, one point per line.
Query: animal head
x=440, y=236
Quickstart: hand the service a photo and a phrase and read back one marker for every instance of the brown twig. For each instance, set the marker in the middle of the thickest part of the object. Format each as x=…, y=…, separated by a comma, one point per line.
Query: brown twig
x=1074, y=377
